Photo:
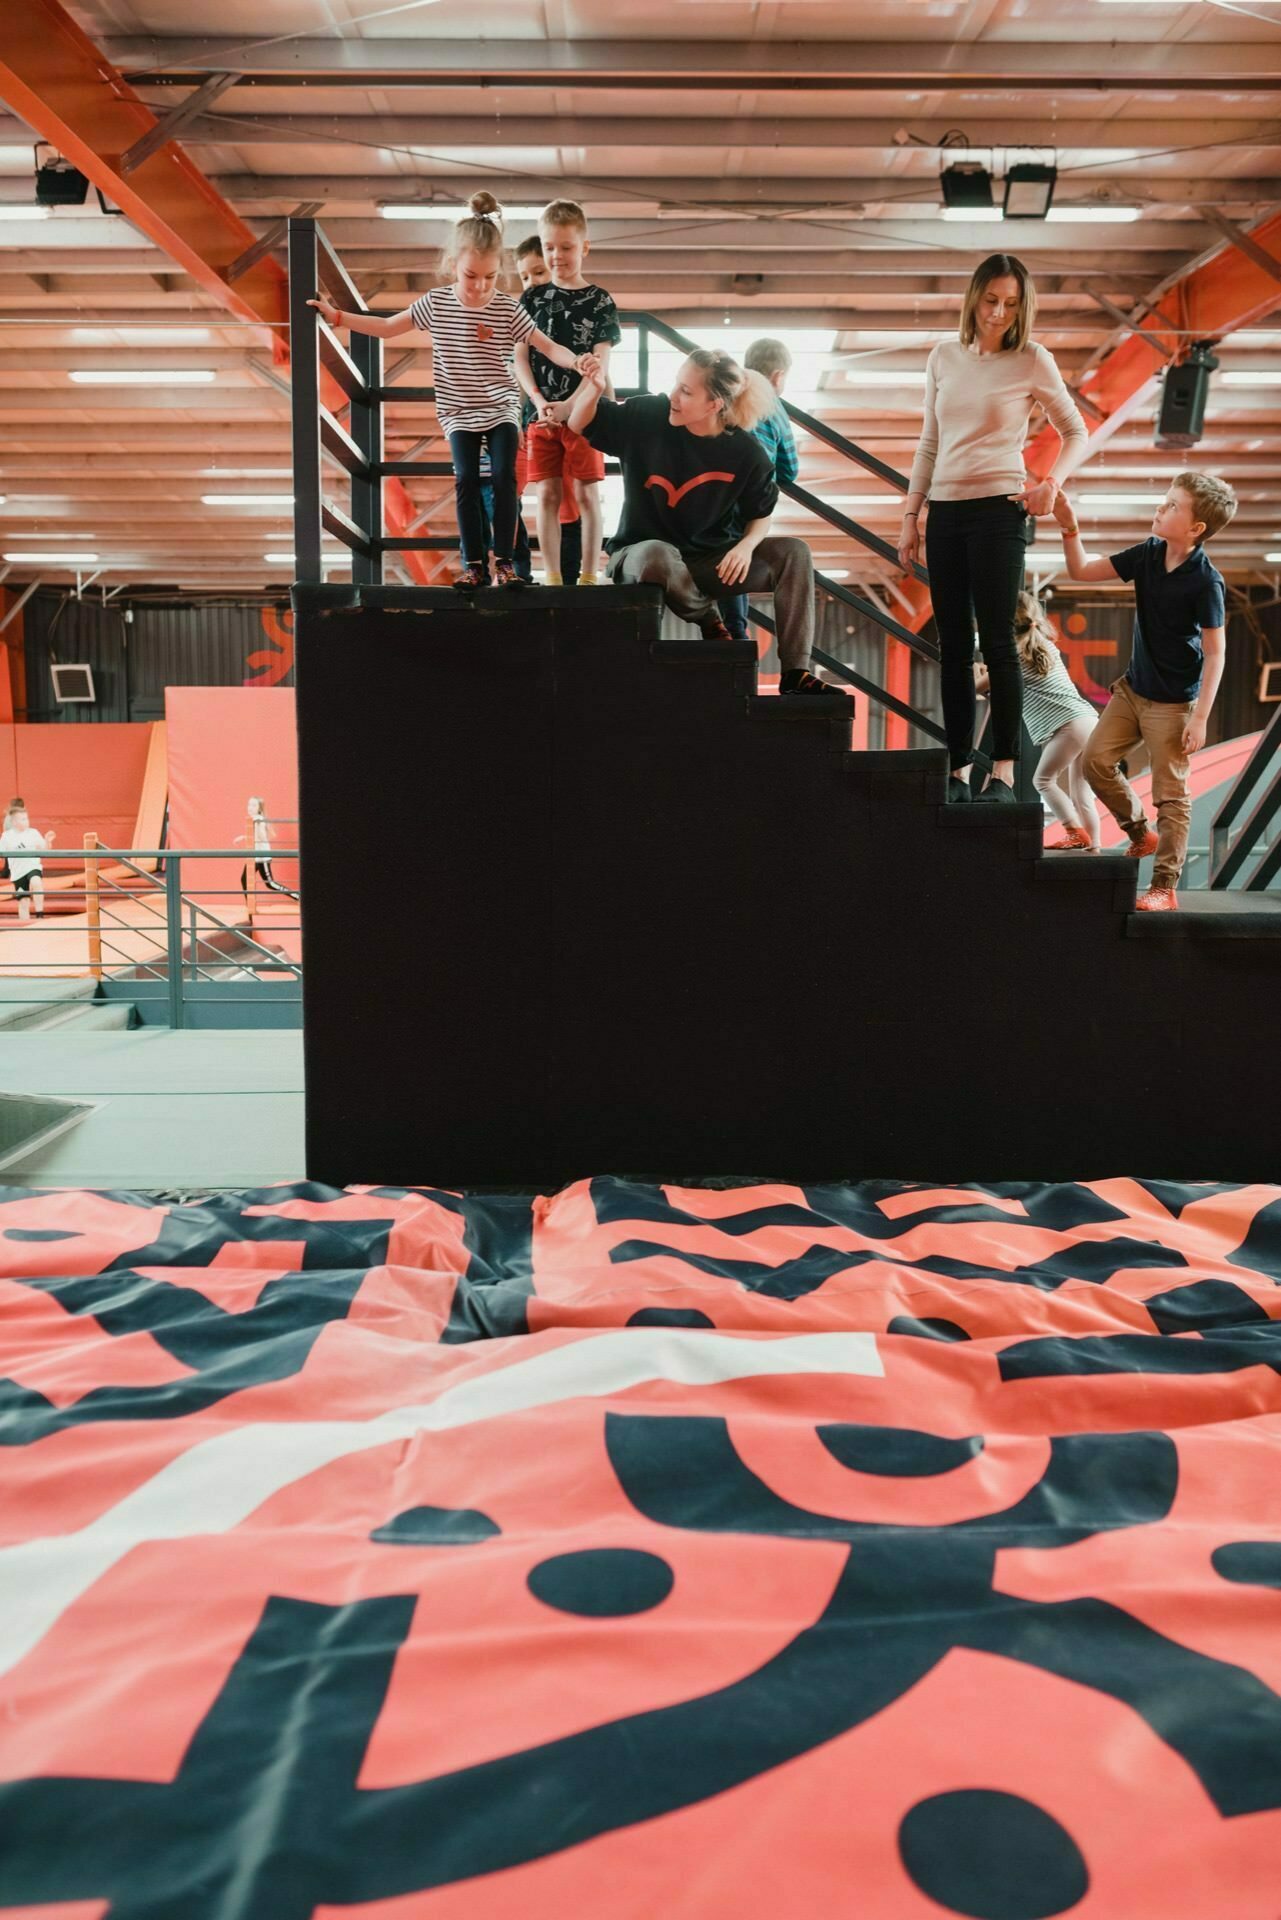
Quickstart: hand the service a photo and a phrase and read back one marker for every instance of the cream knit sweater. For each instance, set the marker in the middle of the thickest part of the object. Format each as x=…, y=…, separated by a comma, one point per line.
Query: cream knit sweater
x=977, y=408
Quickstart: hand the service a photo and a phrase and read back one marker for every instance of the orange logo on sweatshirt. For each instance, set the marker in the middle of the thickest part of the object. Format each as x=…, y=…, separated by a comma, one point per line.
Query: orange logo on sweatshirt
x=676, y=494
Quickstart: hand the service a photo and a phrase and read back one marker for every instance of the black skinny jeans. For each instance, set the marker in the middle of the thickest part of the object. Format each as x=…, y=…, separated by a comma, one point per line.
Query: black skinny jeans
x=976, y=551
x=465, y=450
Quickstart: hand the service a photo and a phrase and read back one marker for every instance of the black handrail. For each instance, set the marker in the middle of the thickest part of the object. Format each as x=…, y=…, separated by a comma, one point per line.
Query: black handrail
x=1226, y=862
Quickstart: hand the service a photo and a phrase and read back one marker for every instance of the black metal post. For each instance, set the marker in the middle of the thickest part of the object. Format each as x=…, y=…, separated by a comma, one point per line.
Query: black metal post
x=367, y=432
x=304, y=360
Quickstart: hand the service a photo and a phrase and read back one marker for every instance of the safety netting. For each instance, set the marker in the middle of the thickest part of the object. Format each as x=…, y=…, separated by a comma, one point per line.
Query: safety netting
x=760, y=1551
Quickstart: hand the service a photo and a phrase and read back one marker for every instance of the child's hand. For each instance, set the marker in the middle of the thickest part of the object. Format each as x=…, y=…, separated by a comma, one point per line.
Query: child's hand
x=50, y=837
x=590, y=368
x=553, y=413
x=1194, y=733
x=328, y=312
x=1063, y=509
x=1038, y=496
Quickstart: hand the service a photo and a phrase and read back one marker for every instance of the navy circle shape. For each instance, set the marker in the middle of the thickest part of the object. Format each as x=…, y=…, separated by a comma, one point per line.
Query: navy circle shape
x=992, y=1856
x=602, y=1583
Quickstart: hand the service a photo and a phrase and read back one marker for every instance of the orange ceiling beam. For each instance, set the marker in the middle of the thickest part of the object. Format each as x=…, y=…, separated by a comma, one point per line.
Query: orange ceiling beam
x=55, y=78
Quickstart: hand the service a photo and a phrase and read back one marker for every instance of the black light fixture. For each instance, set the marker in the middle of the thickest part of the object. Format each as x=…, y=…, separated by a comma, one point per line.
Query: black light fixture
x=967, y=186
x=1029, y=189
x=58, y=183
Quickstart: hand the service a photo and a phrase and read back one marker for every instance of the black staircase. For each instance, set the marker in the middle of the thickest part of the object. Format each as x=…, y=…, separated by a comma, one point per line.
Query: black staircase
x=617, y=912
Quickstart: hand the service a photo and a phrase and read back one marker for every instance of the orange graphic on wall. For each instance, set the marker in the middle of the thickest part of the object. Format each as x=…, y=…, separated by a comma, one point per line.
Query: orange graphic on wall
x=273, y=664
x=1076, y=646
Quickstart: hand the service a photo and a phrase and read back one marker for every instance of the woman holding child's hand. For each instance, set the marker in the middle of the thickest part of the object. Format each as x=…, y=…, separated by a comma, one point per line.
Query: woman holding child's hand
x=979, y=394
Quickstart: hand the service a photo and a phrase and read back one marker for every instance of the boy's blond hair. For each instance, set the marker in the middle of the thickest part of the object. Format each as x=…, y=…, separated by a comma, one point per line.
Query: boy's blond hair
x=562, y=213
x=1213, y=500
x=768, y=357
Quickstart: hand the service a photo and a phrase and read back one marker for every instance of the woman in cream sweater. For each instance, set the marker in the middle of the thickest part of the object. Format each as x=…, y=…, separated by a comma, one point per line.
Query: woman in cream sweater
x=979, y=394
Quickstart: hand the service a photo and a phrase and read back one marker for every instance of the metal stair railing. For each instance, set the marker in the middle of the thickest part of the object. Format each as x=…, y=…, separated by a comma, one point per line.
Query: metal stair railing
x=318, y=435
x=1228, y=856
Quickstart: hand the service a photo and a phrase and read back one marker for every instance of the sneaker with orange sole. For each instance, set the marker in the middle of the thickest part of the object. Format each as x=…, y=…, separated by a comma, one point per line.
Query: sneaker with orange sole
x=1158, y=900
x=1072, y=837
x=1145, y=844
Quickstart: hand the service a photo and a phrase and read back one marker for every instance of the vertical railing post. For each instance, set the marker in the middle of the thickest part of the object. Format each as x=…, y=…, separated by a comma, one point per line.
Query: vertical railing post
x=304, y=369
x=642, y=357
x=173, y=939
x=93, y=907
x=367, y=432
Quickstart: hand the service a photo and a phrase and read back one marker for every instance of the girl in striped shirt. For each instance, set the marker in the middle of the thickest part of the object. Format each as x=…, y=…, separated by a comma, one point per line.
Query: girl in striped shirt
x=474, y=328
x=1059, y=720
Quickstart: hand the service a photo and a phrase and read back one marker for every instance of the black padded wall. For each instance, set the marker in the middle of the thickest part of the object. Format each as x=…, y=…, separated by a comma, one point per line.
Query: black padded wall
x=606, y=911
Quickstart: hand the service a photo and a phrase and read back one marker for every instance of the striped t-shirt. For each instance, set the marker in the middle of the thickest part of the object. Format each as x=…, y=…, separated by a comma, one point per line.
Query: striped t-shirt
x=471, y=358
x=1050, y=701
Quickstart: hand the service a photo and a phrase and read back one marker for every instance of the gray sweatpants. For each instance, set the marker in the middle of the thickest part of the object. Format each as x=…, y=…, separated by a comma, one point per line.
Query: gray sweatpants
x=692, y=587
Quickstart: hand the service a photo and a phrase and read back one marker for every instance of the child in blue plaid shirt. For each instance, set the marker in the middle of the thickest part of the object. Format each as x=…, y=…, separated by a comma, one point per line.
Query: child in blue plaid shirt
x=772, y=359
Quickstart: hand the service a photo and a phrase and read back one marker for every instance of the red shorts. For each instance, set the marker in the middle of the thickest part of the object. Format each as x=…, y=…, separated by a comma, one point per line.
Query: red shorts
x=556, y=452
x=568, y=503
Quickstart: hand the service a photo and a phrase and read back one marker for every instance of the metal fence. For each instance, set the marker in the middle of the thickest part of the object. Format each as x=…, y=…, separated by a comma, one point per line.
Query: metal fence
x=162, y=928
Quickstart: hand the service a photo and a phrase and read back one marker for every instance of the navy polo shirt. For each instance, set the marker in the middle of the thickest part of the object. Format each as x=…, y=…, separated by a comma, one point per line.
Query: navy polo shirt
x=1171, y=610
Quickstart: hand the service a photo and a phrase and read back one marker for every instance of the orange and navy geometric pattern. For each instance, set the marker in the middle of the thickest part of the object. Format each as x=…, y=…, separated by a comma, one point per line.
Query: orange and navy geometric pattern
x=759, y=1551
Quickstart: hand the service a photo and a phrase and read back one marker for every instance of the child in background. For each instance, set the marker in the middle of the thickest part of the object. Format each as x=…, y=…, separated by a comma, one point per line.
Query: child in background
x=1059, y=720
x=771, y=359
x=1165, y=695
x=21, y=845
x=534, y=271
x=474, y=328
x=263, y=835
x=582, y=317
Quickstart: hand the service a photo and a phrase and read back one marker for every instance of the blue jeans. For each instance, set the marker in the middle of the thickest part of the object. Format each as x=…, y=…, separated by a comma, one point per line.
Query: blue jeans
x=465, y=450
x=521, y=552
x=734, y=613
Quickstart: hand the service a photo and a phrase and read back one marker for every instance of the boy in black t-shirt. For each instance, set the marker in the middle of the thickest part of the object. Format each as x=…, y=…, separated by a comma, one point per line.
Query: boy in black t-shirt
x=569, y=308
x=1165, y=695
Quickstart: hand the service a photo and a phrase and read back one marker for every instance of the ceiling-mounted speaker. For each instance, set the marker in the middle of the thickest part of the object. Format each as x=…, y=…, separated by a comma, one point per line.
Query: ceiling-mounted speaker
x=1183, y=399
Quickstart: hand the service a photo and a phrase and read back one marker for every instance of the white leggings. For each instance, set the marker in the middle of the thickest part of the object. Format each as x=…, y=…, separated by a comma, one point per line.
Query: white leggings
x=1062, y=754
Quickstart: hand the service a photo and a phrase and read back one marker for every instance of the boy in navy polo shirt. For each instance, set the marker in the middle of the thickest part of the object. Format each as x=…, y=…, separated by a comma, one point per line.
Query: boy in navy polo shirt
x=1165, y=694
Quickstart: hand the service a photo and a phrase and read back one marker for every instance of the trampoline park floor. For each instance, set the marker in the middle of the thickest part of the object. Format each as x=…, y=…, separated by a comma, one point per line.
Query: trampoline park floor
x=168, y=1110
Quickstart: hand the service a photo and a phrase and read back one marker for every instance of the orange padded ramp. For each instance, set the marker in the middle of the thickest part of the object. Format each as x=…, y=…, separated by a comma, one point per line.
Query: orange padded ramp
x=81, y=779
x=224, y=744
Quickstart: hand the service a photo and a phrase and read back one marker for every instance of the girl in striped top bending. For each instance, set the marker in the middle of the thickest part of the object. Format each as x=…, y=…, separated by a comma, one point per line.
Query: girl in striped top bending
x=1059, y=720
x=474, y=328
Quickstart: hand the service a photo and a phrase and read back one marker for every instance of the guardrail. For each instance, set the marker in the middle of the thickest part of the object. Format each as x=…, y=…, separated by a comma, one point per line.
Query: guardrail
x=1230, y=854
x=151, y=917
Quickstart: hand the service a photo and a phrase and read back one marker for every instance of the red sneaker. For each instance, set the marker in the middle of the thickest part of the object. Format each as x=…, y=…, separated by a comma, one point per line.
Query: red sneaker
x=1146, y=843
x=1072, y=837
x=714, y=628
x=1158, y=900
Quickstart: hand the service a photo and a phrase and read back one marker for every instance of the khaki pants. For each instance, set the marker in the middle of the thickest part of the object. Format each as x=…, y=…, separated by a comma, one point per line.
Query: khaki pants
x=1126, y=720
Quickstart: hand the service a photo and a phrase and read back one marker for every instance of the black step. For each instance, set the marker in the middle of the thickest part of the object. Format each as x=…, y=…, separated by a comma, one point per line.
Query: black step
x=973, y=815
x=1205, y=914
x=914, y=772
x=702, y=653
x=1114, y=875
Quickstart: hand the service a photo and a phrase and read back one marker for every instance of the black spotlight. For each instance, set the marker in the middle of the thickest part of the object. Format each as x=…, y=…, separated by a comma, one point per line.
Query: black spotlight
x=966, y=184
x=58, y=183
x=1183, y=398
